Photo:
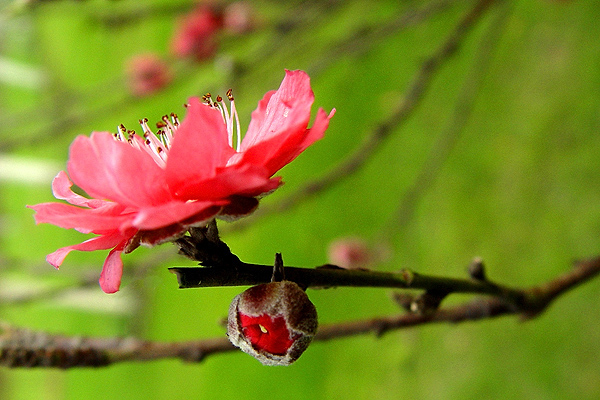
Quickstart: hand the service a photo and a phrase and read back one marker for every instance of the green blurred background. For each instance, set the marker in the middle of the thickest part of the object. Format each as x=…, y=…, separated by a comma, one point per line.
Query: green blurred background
x=506, y=139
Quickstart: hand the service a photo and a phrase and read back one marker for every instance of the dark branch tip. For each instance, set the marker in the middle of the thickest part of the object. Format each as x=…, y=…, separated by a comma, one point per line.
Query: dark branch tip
x=477, y=270
x=278, y=269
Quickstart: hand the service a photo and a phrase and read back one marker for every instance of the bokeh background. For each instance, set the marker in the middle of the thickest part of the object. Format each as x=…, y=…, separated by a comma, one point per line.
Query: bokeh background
x=499, y=159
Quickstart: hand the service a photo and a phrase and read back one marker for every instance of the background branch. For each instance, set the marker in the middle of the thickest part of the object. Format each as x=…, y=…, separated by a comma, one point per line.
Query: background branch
x=402, y=110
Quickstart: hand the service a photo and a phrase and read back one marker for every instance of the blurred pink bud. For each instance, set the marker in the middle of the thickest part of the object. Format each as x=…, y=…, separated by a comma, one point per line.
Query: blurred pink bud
x=147, y=74
x=195, y=34
x=238, y=17
x=352, y=252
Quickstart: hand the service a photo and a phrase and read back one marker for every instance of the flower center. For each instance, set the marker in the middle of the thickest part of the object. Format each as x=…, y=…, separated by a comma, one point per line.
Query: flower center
x=157, y=144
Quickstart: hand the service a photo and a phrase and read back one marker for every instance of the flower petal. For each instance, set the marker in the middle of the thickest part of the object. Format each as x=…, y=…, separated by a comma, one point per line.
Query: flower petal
x=200, y=146
x=239, y=179
x=257, y=118
x=109, y=169
x=85, y=220
x=102, y=242
x=278, y=112
x=279, y=151
x=61, y=188
x=169, y=213
x=112, y=270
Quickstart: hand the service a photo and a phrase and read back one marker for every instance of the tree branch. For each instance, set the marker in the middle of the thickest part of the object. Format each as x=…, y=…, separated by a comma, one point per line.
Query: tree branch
x=25, y=348
x=220, y=267
x=244, y=274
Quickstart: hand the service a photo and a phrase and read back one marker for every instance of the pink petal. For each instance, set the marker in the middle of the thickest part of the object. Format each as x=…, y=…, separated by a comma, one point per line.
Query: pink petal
x=285, y=110
x=97, y=243
x=112, y=270
x=240, y=179
x=85, y=220
x=109, y=169
x=257, y=118
x=174, y=212
x=274, y=153
x=316, y=132
x=201, y=145
x=61, y=188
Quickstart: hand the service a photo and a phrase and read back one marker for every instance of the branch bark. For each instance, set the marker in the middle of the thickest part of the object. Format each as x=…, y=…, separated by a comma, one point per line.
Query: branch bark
x=25, y=348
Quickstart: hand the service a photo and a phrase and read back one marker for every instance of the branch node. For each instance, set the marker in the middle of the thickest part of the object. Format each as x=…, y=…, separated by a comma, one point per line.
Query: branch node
x=193, y=354
x=477, y=270
x=380, y=327
x=403, y=300
x=408, y=276
x=428, y=302
x=204, y=245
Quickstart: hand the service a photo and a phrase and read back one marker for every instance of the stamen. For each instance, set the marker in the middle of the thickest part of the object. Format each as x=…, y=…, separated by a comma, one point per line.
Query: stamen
x=170, y=128
x=235, y=116
x=175, y=119
x=120, y=135
x=156, y=145
x=229, y=117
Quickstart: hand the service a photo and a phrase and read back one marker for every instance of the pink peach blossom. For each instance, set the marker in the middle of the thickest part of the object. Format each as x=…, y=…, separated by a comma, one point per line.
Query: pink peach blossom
x=153, y=189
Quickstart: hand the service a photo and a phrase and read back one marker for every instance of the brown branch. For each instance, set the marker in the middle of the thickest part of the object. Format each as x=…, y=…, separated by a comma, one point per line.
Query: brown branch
x=366, y=37
x=400, y=114
x=25, y=348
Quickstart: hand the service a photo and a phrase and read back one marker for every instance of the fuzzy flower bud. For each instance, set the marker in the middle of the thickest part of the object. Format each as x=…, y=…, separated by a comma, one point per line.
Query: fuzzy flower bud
x=274, y=322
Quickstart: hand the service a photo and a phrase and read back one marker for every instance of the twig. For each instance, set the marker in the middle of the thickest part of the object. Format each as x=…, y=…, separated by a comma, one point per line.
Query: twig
x=366, y=37
x=223, y=268
x=401, y=112
x=25, y=348
x=448, y=139
x=244, y=274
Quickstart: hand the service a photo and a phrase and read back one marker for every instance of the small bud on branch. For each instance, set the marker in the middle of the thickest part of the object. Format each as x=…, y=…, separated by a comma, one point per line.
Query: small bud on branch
x=273, y=322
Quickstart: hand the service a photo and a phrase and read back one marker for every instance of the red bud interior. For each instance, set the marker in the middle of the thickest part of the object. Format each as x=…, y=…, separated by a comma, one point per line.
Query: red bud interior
x=267, y=333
